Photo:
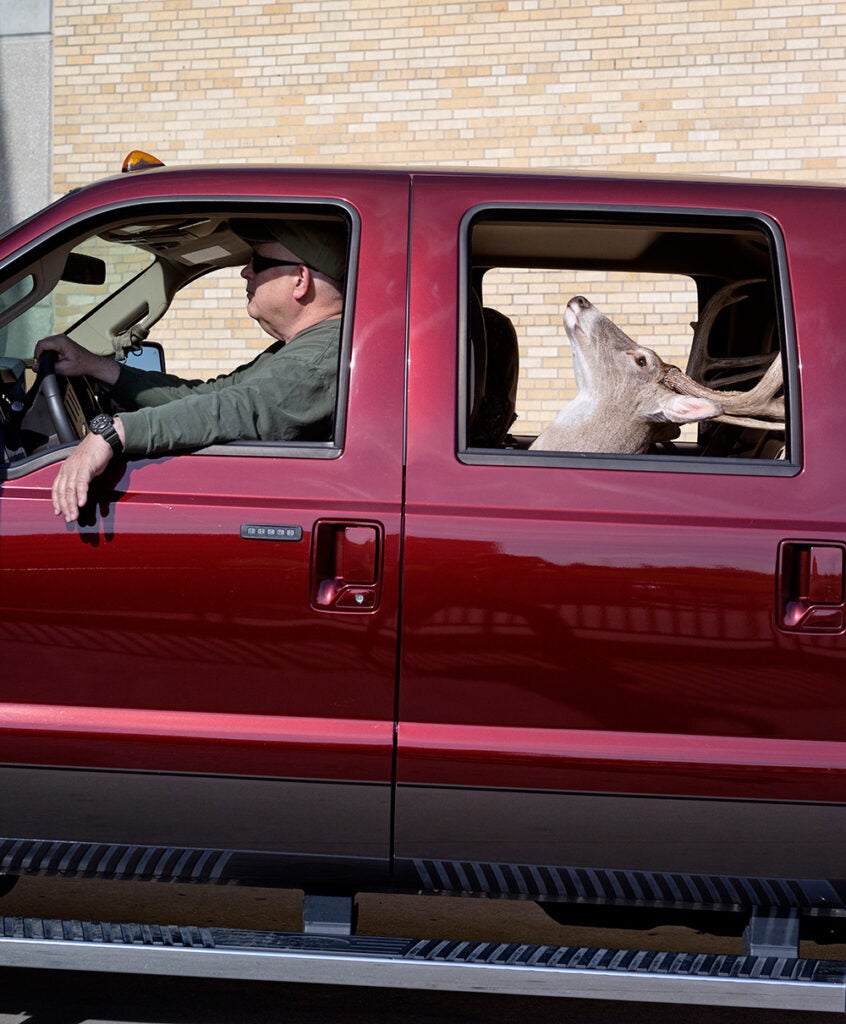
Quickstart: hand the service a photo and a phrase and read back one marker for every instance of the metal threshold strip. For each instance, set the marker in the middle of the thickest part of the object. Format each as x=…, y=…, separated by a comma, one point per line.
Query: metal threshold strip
x=502, y=968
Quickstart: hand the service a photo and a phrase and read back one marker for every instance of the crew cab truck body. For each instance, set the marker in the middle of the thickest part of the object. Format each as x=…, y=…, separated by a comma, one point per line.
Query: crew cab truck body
x=417, y=656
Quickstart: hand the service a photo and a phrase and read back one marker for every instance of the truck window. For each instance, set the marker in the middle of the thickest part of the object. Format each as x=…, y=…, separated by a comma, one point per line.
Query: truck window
x=659, y=336
x=173, y=279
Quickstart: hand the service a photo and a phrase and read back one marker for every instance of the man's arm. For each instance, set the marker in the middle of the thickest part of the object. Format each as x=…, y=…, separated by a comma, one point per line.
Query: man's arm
x=288, y=394
x=87, y=460
x=92, y=454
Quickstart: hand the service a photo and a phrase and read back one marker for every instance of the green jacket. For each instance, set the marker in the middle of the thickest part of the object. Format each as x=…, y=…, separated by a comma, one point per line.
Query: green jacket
x=285, y=394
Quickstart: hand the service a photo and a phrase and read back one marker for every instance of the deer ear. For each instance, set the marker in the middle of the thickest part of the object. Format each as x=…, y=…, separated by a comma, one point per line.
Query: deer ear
x=686, y=409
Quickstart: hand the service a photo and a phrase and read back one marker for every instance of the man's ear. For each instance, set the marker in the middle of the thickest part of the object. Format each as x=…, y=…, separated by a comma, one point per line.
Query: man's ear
x=302, y=282
x=674, y=408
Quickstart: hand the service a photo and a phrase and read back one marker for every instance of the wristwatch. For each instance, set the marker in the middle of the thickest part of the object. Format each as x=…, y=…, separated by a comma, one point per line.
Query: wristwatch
x=104, y=425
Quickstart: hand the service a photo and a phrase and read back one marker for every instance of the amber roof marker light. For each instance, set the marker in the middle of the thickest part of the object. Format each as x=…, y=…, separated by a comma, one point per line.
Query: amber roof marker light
x=138, y=160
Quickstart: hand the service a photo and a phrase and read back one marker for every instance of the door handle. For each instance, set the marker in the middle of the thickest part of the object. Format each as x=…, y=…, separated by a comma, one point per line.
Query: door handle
x=810, y=592
x=346, y=566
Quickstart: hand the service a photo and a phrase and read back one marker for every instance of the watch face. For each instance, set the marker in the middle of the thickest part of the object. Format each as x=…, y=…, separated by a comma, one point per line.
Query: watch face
x=104, y=426
x=102, y=421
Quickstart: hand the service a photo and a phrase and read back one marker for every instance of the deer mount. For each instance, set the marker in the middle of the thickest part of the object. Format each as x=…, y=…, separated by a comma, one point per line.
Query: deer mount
x=629, y=399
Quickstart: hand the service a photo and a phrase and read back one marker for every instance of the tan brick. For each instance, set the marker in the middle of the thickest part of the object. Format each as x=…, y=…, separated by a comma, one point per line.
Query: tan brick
x=716, y=86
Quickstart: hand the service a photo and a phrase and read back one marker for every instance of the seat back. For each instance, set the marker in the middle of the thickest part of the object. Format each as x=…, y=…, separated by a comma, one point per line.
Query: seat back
x=495, y=411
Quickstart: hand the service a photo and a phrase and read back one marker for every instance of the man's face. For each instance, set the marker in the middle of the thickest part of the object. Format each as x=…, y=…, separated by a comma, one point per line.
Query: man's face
x=270, y=290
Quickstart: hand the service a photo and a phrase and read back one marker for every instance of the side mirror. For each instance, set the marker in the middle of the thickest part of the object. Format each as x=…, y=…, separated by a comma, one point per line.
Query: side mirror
x=149, y=357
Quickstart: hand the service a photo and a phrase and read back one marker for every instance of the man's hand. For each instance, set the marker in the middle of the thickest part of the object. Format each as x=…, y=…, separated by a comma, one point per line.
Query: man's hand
x=88, y=460
x=72, y=360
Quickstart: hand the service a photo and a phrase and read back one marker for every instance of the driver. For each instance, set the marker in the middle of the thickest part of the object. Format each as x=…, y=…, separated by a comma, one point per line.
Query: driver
x=295, y=293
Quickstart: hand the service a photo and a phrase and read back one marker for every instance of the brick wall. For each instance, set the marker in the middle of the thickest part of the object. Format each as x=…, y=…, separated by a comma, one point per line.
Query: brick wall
x=732, y=86
x=678, y=86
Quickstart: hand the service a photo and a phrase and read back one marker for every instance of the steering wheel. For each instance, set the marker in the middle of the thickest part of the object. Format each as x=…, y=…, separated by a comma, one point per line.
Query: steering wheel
x=47, y=385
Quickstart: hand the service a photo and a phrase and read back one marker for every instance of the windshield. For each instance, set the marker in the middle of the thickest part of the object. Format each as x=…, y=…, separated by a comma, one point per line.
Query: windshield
x=71, y=299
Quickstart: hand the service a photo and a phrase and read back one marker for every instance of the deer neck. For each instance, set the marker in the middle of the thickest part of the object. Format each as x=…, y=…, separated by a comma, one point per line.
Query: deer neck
x=588, y=425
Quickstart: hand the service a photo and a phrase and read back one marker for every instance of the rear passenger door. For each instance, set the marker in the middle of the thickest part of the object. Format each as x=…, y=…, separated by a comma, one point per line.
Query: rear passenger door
x=613, y=662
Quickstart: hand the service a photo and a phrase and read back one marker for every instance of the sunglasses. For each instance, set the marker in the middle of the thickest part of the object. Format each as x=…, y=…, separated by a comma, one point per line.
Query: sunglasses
x=260, y=263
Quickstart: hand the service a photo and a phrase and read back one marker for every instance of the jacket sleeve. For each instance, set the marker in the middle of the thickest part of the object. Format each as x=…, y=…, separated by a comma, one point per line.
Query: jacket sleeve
x=285, y=394
x=141, y=389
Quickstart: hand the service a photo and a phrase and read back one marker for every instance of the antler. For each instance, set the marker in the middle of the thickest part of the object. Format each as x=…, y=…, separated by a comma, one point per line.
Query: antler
x=757, y=407
x=701, y=365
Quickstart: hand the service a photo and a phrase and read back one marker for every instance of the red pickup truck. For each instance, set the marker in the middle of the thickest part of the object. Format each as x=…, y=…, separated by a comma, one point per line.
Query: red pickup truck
x=421, y=655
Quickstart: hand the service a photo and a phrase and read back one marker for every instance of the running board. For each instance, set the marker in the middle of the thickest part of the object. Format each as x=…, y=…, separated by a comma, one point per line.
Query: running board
x=503, y=968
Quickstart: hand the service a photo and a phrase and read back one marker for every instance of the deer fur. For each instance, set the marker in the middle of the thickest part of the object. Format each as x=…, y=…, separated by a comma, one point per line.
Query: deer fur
x=623, y=405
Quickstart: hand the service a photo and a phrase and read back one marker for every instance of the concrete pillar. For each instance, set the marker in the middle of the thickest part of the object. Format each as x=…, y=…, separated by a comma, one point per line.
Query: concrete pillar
x=26, y=126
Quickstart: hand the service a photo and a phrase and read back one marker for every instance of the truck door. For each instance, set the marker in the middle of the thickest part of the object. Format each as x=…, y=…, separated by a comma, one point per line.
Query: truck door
x=600, y=685
x=207, y=661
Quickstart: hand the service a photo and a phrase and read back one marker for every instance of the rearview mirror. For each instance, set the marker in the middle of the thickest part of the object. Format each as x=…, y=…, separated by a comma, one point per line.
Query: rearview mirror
x=82, y=269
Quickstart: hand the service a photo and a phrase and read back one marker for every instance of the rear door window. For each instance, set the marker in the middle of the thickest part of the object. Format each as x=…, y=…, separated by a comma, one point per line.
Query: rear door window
x=693, y=369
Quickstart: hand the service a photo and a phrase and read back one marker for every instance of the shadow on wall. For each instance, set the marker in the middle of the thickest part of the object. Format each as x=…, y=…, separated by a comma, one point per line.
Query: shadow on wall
x=25, y=108
x=7, y=182
x=6, y=217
